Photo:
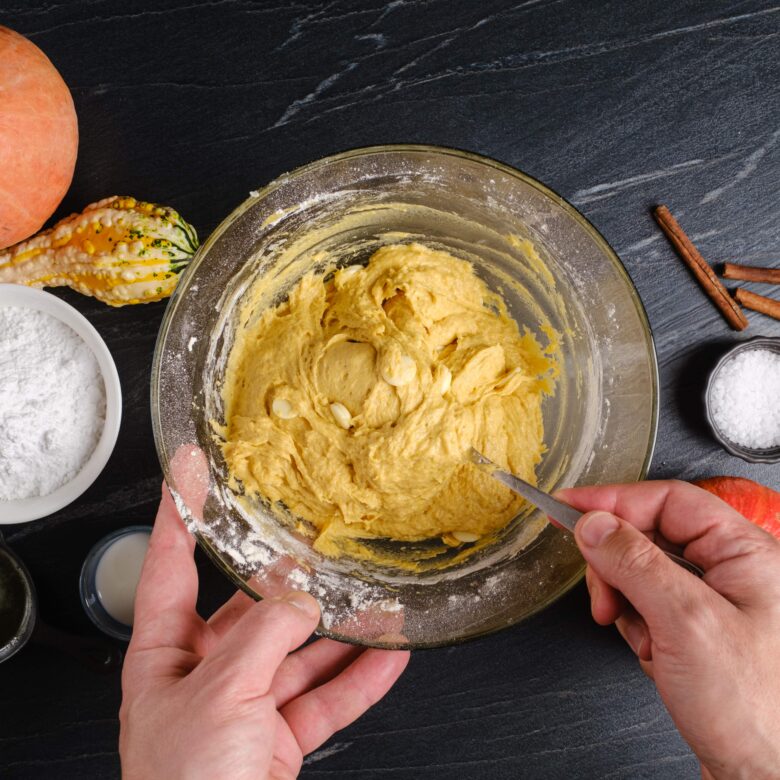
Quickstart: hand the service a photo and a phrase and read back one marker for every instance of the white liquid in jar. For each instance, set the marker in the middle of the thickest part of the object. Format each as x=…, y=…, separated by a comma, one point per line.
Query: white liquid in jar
x=117, y=575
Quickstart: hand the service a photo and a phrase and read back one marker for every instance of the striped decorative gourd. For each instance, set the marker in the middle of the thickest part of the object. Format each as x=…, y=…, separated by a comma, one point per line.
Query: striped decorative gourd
x=119, y=250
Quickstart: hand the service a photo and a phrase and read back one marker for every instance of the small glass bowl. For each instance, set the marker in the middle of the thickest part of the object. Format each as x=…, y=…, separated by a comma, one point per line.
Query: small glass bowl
x=23, y=581
x=90, y=600
x=770, y=455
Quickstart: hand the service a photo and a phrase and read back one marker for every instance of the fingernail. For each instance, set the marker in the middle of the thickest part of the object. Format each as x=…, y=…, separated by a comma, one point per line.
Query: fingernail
x=303, y=601
x=635, y=636
x=596, y=527
x=593, y=591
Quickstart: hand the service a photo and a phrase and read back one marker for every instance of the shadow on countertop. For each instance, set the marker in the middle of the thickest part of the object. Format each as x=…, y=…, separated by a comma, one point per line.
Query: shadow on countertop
x=691, y=385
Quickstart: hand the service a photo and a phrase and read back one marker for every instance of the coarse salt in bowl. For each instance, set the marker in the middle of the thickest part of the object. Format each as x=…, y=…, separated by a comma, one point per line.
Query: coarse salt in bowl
x=743, y=403
x=34, y=507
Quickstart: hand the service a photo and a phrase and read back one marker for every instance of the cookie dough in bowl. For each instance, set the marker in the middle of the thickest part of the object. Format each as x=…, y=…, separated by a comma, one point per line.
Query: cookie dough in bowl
x=311, y=435
x=354, y=402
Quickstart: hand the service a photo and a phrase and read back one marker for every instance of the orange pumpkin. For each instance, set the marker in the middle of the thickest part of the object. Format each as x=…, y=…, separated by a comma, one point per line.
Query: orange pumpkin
x=758, y=503
x=38, y=138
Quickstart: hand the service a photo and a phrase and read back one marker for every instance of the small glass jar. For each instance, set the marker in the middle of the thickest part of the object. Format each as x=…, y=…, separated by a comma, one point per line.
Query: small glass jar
x=21, y=608
x=89, y=589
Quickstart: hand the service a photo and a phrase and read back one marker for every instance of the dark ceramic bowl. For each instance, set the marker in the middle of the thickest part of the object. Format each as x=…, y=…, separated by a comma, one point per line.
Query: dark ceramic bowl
x=770, y=455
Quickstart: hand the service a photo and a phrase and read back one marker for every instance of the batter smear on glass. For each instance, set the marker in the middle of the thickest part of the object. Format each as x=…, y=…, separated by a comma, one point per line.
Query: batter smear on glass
x=355, y=401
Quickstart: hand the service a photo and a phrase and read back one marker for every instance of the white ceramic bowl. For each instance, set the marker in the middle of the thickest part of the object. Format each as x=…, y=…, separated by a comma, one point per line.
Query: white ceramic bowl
x=25, y=509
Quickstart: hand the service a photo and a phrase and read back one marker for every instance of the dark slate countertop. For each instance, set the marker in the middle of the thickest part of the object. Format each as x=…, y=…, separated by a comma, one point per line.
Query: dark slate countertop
x=617, y=105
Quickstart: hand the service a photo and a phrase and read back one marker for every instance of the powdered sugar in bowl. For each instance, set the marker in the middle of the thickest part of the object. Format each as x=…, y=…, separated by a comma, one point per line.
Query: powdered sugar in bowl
x=743, y=404
x=60, y=404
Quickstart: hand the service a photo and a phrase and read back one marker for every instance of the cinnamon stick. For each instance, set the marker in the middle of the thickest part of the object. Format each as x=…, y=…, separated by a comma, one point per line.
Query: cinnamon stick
x=704, y=274
x=751, y=273
x=761, y=303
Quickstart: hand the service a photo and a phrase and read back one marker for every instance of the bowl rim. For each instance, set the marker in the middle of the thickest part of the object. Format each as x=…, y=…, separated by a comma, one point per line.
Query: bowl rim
x=359, y=151
x=768, y=455
x=25, y=510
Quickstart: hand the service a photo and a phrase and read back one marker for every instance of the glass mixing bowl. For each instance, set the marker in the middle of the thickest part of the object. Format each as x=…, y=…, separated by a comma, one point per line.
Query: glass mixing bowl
x=600, y=425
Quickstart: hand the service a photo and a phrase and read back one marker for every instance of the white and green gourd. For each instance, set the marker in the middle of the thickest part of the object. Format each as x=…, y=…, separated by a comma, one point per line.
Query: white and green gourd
x=119, y=250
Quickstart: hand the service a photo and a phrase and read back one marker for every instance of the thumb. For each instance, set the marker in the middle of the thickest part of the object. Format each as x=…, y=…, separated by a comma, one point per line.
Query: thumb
x=662, y=592
x=246, y=658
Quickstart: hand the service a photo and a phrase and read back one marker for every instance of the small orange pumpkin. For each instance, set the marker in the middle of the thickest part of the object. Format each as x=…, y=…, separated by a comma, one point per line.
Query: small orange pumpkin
x=38, y=138
x=758, y=503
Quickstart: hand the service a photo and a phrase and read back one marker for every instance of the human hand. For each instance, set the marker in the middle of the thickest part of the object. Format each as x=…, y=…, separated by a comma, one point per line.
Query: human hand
x=222, y=698
x=710, y=645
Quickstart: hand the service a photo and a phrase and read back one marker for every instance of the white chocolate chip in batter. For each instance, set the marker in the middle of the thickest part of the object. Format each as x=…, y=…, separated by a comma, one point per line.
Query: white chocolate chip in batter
x=341, y=415
x=283, y=409
x=465, y=536
x=401, y=373
x=349, y=272
x=446, y=380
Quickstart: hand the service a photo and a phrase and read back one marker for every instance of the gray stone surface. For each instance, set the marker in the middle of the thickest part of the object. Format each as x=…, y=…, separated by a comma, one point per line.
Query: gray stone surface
x=616, y=105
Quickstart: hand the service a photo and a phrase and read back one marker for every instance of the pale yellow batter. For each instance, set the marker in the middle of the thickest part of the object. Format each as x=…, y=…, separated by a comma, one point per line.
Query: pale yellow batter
x=355, y=402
